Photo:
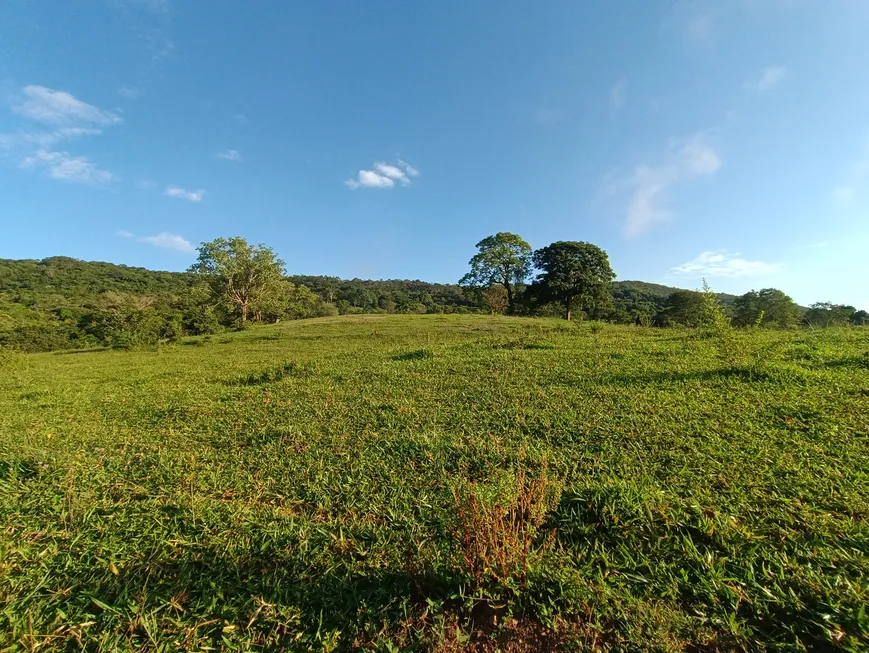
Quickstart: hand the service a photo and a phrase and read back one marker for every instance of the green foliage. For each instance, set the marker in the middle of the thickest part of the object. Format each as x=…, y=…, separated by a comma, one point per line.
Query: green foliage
x=769, y=307
x=577, y=275
x=828, y=314
x=241, y=275
x=684, y=308
x=740, y=354
x=503, y=259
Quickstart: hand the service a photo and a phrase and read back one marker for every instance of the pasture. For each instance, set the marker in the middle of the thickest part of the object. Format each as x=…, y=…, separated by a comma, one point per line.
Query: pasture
x=358, y=483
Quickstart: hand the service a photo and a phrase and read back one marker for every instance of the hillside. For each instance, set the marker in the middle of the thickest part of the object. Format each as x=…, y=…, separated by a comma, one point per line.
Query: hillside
x=63, y=303
x=76, y=280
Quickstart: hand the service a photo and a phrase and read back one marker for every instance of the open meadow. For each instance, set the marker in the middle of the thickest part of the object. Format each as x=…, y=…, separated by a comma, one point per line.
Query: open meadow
x=438, y=483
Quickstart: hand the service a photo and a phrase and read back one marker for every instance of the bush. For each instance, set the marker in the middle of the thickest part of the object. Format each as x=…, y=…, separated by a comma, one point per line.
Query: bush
x=499, y=524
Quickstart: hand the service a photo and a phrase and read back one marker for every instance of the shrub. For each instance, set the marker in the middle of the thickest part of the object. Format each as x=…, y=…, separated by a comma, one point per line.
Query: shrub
x=499, y=524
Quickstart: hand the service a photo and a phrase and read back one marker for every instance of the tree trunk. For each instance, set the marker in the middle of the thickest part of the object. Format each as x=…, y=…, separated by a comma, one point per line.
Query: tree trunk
x=244, y=312
x=510, y=306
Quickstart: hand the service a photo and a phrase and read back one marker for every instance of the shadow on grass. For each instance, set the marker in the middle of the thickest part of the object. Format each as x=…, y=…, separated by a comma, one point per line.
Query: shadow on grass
x=852, y=362
x=89, y=350
x=274, y=374
x=722, y=374
x=264, y=596
x=416, y=355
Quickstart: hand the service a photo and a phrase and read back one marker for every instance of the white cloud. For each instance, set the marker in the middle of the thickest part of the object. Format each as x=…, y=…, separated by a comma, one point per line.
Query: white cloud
x=164, y=239
x=229, y=155
x=189, y=195
x=723, y=264
x=769, y=77
x=409, y=169
x=384, y=175
x=52, y=107
x=618, y=95
x=649, y=185
x=396, y=174
x=63, y=166
x=169, y=241
x=66, y=118
x=131, y=92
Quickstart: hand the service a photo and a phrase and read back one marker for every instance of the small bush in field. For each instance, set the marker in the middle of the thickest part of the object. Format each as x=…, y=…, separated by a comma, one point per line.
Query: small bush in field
x=499, y=523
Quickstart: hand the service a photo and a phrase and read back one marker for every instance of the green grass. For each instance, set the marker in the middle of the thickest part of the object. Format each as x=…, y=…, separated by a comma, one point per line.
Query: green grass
x=291, y=488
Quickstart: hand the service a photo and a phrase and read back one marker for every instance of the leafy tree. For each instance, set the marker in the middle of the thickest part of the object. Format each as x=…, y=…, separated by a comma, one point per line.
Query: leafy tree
x=827, y=314
x=495, y=299
x=237, y=273
x=574, y=274
x=685, y=307
x=769, y=306
x=503, y=259
x=860, y=318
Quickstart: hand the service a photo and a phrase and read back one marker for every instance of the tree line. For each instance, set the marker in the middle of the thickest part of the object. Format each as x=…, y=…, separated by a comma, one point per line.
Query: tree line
x=59, y=302
x=577, y=277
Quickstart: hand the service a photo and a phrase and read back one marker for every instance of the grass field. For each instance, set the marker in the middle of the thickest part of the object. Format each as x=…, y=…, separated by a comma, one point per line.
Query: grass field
x=304, y=487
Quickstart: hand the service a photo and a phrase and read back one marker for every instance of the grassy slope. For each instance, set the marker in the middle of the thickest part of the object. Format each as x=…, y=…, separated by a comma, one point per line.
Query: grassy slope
x=182, y=498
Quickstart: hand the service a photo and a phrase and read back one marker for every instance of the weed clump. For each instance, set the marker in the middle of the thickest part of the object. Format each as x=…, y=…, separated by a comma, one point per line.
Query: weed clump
x=499, y=525
x=740, y=354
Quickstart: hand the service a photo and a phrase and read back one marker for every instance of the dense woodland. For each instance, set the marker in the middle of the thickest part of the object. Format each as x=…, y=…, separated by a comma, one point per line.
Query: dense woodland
x=60, y=303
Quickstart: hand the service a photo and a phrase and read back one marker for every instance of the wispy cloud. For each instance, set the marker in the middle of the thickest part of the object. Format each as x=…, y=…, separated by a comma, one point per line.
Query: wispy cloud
x=146, y=184
x=854, y=178
x=189, y=195
x=649, y=186
x=618, y=95
x=52, y=107
x=229, y=155
x=167, y=240
x=768, y=77
x=159, y=45
x=63, y=166
x=164, y=239
x=60, y=117
x=723, y=264
x=383, y=175
x=131, y=92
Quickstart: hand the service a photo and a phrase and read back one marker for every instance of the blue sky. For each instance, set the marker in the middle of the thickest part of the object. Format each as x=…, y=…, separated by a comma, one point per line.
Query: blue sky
x=725, y=139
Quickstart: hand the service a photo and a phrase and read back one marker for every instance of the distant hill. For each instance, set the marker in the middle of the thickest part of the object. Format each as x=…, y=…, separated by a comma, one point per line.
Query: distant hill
x=658, y=290
x=72, y=278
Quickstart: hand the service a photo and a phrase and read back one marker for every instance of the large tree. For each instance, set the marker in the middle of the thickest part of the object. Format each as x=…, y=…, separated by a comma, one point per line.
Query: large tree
x=574, y=274
x=503, y=259
x=769, y=306
x=238, y=274
x=827, y=314
x=683, y=307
